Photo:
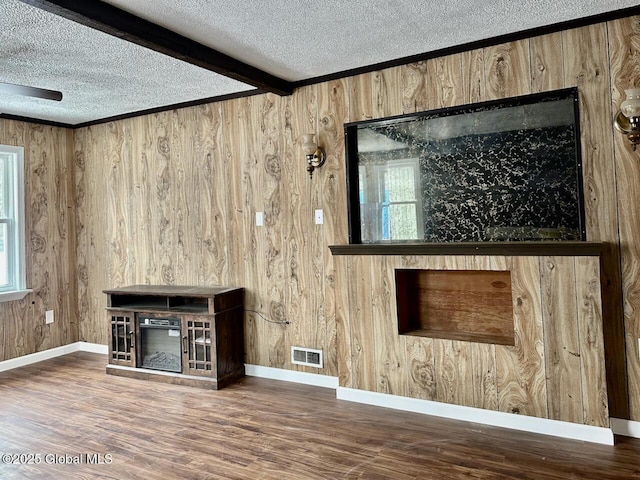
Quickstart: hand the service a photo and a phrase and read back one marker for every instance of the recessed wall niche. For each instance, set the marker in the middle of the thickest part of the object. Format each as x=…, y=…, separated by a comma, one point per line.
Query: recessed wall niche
x=466, y=305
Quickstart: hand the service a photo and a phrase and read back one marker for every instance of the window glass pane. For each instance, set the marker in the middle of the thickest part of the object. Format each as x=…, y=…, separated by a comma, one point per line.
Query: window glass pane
x=402, y=184
x=4, y=257
x=386, y=228
x=402, y=219
x=3, y=186
x=12, y=275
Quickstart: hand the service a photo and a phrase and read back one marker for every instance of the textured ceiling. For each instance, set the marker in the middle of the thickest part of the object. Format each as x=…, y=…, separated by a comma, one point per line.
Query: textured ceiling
x=99, y=75
x=102, y=76
x=299, y=39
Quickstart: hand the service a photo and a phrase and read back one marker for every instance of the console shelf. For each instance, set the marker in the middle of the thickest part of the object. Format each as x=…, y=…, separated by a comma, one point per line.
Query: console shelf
x=198, y=330
x=538, y=248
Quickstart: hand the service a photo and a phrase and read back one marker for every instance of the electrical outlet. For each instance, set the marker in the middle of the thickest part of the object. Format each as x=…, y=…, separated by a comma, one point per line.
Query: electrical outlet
x=259, y=219
x=48, y=317
x=319, y=217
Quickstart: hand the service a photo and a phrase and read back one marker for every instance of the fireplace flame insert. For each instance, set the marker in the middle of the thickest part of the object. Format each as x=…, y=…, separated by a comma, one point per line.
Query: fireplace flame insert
x=160, y=343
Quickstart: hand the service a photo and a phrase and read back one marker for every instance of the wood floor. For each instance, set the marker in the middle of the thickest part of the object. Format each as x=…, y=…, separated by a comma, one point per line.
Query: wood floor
x=67, y=409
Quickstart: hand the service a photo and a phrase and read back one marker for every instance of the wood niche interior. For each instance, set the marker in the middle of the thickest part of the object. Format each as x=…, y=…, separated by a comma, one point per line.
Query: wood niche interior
x=466, y=305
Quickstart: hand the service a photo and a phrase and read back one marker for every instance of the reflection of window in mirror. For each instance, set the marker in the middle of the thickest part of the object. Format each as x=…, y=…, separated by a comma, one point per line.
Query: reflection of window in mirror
x=391, y=207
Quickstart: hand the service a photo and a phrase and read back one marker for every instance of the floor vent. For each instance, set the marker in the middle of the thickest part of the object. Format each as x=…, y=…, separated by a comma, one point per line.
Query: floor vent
x=306, y=356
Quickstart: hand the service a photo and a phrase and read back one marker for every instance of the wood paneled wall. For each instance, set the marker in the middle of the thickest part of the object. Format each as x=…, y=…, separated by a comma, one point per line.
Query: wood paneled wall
x=624, y=49
x=171, y=198
x=50, y=248
x=555, y=370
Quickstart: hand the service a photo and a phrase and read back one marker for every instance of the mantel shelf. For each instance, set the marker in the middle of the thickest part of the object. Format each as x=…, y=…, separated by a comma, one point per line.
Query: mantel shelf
x=530, y=249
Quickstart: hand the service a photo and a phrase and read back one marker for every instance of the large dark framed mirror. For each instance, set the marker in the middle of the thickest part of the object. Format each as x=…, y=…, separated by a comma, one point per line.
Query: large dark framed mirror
x=506, y=170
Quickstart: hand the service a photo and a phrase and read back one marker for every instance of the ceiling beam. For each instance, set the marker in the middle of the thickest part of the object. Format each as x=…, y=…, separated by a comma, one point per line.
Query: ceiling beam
x=114, y=21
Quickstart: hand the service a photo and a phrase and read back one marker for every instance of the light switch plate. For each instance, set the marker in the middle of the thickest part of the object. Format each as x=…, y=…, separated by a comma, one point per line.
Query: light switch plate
x=48, y=317
x=319, y=217
x=259, y=219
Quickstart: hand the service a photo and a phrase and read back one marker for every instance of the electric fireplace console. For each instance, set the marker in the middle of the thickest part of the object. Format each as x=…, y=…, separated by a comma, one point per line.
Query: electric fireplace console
x=176, y=334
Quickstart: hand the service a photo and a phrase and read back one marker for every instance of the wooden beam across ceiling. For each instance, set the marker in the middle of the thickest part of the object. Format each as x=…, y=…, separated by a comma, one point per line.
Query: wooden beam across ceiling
x=114, y=21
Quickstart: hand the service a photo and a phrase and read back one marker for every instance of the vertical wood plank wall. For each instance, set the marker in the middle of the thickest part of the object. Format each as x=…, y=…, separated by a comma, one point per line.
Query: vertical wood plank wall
x=50, y=243
x=171, y=198
x=554, y=370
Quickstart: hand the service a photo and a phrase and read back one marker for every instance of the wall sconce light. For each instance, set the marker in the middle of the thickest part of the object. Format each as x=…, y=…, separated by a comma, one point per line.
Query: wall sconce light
x=627, y=120
x=313, y=153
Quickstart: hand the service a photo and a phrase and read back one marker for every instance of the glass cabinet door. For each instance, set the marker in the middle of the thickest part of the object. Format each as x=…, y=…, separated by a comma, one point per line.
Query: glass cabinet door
x=198, y=344
x=122, y=346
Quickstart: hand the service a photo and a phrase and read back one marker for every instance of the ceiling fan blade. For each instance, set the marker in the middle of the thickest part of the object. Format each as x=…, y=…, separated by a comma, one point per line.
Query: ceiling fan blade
x=13, y=89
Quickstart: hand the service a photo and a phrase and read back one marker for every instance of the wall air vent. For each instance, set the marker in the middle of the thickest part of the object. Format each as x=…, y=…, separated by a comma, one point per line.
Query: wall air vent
x=306, y=356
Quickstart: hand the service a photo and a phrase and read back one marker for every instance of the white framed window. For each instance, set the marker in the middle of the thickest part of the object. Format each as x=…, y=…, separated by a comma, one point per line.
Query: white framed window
x=12, y=238
x=390, y=200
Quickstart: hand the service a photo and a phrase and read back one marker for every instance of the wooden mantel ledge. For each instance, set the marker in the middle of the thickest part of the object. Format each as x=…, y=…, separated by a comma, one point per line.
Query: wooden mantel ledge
x=528, y=249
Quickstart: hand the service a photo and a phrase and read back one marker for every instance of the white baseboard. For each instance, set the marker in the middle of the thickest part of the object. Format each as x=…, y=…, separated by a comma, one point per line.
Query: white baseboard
x=544, y=426
x=92, y=348
x=628, y=428
x=291, y=376
x=52, y=353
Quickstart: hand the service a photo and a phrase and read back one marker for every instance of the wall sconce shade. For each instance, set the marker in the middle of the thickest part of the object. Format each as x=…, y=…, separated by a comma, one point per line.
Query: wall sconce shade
x=627, y=119
x=313, y=153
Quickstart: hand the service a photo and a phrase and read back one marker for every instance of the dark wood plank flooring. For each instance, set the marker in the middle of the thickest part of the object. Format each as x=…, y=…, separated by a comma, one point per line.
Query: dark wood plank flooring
x=260, y=429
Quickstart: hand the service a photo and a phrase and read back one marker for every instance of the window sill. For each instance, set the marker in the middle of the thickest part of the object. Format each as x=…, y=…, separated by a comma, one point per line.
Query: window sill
x=14, y=295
